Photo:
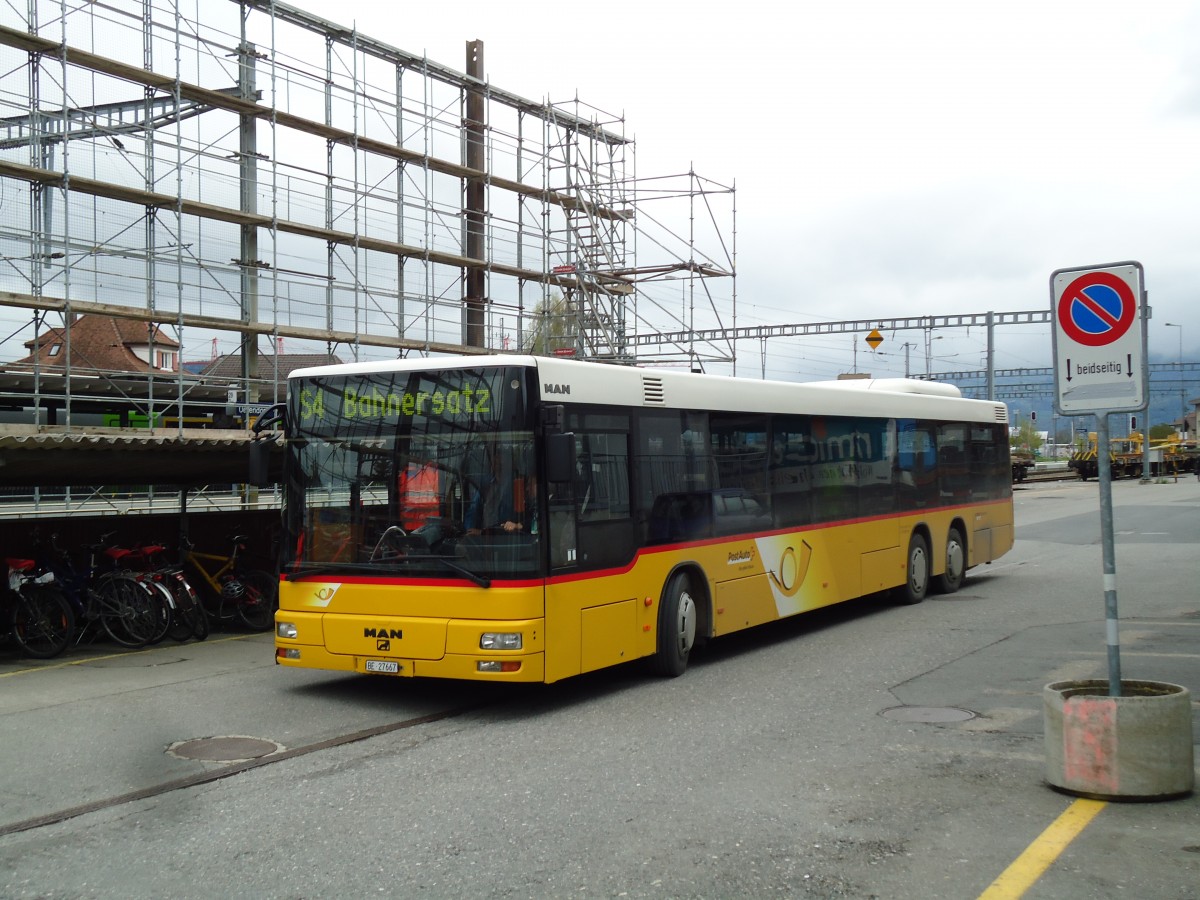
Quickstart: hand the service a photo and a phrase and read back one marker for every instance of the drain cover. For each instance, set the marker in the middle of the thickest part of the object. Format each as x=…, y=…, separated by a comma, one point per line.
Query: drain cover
x=927, y=714
x=231, y=748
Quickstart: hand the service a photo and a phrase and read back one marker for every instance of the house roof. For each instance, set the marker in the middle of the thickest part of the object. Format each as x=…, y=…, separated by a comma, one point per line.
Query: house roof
x=273, y=371
x=230, y=365
x=100, y=343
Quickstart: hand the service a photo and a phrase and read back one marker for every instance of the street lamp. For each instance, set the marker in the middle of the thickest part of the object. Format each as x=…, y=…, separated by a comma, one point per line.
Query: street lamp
x=1182, y=394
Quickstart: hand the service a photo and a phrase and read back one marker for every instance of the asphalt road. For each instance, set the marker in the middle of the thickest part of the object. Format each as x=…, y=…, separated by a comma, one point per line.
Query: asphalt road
x=867, y=751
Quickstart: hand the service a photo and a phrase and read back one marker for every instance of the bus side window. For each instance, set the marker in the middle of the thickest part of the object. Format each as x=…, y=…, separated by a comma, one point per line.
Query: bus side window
x=670, y=457
x=835, y=474
x=739, y=449
x=875, y=461
x=916, y=463
x=991, y=475
x=790, y=471
x=683, y=516
x=954, y=474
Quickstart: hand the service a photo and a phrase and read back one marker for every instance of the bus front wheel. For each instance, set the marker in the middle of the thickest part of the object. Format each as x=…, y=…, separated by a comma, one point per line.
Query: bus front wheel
x=676, y=627
x=956, y=563
x=916, y=582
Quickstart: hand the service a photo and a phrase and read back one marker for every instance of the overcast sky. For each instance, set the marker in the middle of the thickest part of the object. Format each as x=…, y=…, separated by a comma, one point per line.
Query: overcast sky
x=890, y=158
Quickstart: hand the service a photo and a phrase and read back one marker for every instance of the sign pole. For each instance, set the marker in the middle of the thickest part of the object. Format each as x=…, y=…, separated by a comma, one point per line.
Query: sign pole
x=1100, y=369
x=1111, y=619
x=1092, y=748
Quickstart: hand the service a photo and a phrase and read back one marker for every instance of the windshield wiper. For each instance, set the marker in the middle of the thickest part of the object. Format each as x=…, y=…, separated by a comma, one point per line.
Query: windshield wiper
x=302, y=569
x=299, y=569
x=482, y=580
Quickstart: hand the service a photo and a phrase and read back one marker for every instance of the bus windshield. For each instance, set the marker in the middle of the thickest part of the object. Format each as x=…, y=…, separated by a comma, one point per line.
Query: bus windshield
x=413, y=474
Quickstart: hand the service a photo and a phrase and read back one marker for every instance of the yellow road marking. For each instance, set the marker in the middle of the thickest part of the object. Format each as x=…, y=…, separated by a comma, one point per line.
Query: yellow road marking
x=1038, y=856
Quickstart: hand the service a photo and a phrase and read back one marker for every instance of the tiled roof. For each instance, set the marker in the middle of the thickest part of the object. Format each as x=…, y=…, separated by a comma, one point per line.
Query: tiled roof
x=102, y=343
x=273, y=371
x=230, y=365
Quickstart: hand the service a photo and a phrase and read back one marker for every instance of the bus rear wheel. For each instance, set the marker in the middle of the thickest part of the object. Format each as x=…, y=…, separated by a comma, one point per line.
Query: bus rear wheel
x=916, y=581
x=676, y=627
x=956, y=562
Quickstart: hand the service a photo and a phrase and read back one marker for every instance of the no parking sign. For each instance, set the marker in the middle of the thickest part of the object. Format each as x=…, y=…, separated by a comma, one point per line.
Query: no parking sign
x=1099, y=339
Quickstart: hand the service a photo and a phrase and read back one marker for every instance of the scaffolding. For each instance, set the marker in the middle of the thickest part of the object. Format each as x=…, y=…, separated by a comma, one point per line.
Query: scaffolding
x=261, y=173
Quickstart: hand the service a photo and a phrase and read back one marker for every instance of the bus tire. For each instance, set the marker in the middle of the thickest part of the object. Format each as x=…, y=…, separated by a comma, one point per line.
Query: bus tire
x=676, y=627
x=956, y=562
x=916, y=571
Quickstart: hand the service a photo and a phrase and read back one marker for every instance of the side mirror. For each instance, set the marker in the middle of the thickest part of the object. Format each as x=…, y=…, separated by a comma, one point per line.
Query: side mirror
x=270, y=416
x=260, y=463
x=560, y=457
x=553, y=418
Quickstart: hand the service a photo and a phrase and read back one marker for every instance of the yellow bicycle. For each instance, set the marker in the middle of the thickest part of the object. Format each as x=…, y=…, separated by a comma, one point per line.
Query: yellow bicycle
x=231, y=592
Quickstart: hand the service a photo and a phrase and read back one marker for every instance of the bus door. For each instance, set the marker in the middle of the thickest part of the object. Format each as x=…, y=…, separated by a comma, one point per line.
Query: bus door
x=599, y=533
x=591, y=622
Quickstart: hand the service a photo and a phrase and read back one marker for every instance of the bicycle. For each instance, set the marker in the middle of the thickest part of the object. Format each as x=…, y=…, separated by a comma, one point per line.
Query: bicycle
x=235, y=593
x=38, y=616
x=130, y=564
x=188, y=619
x=103, y=598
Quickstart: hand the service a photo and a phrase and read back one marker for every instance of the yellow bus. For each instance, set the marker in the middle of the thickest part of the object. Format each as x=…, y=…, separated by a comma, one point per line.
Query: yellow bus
x=516, y=518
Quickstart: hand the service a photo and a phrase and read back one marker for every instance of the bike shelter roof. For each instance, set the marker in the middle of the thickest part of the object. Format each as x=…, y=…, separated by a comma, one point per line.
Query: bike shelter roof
x=32, y=455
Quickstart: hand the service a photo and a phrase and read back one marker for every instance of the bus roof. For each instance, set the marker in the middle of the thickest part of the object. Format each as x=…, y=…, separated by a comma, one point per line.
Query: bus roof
x=570, y=382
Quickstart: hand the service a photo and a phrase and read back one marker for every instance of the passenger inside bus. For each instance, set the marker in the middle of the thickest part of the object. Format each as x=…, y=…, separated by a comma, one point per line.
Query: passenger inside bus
x=418, y=487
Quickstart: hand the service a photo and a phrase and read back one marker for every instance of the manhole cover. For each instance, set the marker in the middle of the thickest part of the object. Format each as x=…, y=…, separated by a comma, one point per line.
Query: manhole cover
x=927, y=714
x=232, y=748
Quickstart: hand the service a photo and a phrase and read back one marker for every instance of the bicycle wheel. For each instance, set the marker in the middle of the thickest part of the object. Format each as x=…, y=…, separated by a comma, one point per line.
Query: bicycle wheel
x=188, y=618
x=43, y=622
x=128, y=613
x=200, y=624
x=260, y=596
x=164, y=607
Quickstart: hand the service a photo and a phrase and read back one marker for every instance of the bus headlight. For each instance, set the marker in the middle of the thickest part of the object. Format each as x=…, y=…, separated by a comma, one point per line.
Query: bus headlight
x=285, y=629
x=501, y=640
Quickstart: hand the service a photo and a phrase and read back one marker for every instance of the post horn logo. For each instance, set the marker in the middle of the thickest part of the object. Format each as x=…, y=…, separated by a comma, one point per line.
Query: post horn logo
x=792, y=570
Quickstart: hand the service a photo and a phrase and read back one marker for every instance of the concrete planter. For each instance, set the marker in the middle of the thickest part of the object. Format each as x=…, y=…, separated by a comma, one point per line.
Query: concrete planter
x=1134, y=747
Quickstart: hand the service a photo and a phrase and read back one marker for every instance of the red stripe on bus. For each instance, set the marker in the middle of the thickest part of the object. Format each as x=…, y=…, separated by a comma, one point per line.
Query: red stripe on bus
x=643, y=551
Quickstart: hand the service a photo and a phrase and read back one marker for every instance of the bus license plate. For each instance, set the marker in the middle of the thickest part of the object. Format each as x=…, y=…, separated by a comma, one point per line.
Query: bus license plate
x=383, y=665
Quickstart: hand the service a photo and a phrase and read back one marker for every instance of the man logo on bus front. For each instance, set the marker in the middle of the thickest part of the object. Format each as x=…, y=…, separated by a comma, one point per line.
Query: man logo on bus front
x=383, y=636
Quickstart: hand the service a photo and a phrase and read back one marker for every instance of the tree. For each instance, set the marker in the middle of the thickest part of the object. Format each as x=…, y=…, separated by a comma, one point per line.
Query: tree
x=1161, y=432
x=551, y=327
x=1025, y=437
